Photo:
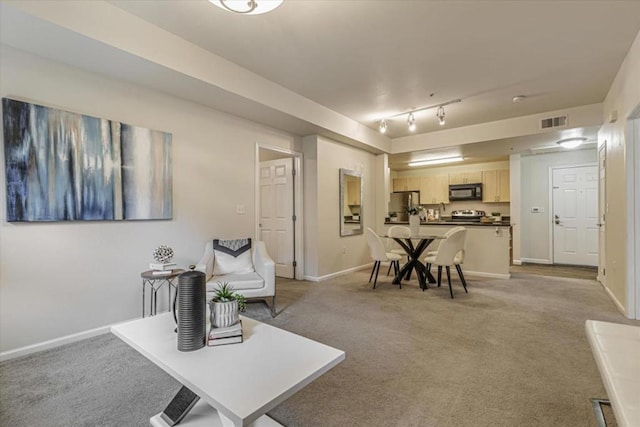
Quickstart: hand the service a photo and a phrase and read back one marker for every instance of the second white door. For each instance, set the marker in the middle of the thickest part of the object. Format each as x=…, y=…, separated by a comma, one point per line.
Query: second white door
x=276, y=213
x=575, y=215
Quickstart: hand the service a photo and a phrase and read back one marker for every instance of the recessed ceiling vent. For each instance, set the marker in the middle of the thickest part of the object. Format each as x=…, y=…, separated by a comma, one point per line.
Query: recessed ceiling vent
x=553, y=122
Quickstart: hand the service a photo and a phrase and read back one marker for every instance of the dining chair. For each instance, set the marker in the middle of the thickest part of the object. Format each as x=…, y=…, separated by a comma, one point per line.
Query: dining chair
x=450, y=252
x=447, y=234
x=400, y=231
x=380, y=254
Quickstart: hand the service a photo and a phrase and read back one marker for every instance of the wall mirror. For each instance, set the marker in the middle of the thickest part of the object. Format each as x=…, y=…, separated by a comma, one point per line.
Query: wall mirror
x=351, y=187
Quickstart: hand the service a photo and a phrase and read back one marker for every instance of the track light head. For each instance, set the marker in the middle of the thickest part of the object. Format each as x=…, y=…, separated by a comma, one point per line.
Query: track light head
x=440, y=115
x=411, y=121
x=383, y=126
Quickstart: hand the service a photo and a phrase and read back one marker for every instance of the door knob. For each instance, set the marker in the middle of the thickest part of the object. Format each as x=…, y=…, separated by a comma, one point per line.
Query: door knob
x=557, y=221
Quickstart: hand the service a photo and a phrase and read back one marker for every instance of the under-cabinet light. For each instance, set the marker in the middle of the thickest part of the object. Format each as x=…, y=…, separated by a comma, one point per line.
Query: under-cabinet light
x=436, y=161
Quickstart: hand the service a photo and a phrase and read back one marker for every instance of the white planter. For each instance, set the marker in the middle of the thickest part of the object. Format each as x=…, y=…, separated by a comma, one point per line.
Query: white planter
x=414, y=224
x=224, y=313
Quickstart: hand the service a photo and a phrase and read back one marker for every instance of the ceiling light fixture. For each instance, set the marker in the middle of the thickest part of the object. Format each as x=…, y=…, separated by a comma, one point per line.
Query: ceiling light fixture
x=571, y=142
x=440, y=115
x=383, y=126
x=519, y=98
x=436, y=161
x=411, y=119
x=247, y=7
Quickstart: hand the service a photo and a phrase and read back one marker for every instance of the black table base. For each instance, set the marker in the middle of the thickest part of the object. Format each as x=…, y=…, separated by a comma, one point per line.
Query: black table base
x=414, y=253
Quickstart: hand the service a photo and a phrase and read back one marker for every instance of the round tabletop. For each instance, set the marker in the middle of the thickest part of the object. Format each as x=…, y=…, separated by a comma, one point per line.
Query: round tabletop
x=167, y=274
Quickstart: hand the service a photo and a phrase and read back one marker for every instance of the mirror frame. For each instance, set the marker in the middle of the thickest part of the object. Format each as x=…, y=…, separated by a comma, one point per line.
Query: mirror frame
x=343, y=191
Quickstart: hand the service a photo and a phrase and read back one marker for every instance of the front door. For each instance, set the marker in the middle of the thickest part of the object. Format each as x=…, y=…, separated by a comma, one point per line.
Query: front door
x=276, y=213
x=575, y=215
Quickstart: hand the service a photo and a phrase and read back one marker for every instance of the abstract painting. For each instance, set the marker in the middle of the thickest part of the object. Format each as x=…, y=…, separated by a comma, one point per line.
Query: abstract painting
x=63, y=166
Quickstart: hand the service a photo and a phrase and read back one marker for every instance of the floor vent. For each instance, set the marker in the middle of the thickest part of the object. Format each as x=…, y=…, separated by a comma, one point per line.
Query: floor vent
x=553, y=122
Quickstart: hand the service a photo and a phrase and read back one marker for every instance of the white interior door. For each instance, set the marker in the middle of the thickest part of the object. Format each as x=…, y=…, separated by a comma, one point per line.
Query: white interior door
x=276, y=213
x=575, y=215
x=602, y=206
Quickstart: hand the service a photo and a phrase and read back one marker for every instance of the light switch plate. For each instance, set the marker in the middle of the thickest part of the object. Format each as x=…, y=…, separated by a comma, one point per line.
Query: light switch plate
x=240, y=209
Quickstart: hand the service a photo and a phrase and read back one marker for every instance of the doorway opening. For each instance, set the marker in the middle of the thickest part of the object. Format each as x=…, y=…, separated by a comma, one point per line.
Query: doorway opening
x=279, y=218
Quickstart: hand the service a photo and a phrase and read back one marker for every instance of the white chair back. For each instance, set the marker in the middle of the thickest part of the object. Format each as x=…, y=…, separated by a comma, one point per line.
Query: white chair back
x=453, y=230
x=376, y=248
x=399, y=231
x=455, y=243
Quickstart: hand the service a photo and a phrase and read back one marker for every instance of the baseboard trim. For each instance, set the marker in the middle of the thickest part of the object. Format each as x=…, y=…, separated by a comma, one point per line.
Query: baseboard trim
x=336, y=274
x=57, y=342
x=619, y=306
x=517, y=262
x=485, y=274
x=535, y=261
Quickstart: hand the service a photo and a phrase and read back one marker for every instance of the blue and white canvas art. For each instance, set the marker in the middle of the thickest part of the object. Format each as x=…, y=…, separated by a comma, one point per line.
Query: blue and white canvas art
x=63, y=166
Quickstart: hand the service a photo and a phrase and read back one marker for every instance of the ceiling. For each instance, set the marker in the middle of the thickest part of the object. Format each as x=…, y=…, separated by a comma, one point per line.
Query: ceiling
x=373, y=59
x=369, y=60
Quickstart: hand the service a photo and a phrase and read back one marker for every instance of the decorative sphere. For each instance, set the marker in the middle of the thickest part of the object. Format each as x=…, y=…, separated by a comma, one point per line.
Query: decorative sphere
x=163, y=254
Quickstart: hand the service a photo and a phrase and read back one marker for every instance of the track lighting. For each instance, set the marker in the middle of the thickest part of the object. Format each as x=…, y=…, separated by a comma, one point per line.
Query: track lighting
x=411, y=121
x=440, y=115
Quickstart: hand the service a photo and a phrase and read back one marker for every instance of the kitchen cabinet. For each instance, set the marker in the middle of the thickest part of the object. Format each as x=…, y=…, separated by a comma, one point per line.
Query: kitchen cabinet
x=434, y=189
x=353, y=192
x=465, y=178
x=406, y=184
x=496, y=186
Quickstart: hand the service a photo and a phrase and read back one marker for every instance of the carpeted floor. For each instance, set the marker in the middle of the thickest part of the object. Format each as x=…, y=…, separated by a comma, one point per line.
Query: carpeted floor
x=509, y=353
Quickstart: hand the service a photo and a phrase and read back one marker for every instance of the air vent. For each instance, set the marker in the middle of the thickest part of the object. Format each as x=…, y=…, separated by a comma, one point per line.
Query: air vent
x=553, y=122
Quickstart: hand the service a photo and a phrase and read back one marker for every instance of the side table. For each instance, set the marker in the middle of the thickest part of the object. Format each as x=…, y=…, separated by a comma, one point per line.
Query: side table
x=156, y=282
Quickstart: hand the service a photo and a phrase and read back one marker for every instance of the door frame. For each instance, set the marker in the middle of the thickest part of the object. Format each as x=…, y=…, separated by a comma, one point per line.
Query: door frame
x=550, y=216
x=298, y=240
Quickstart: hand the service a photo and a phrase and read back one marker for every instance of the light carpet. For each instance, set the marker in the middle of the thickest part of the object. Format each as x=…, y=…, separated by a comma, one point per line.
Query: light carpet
x=508, y=353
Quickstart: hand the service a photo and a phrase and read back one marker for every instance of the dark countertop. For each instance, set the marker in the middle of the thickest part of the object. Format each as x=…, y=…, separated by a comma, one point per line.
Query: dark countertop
x=451, y=223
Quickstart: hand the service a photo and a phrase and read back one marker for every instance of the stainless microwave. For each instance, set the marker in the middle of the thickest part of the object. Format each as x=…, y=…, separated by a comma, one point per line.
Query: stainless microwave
x=465, y=192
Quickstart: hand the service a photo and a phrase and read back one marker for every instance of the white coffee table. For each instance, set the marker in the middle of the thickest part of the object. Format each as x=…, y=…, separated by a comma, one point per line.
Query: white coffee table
x=237, y=383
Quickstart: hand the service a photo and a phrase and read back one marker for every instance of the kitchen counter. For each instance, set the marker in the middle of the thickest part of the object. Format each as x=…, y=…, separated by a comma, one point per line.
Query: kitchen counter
x=488, y=245
x=452, y=223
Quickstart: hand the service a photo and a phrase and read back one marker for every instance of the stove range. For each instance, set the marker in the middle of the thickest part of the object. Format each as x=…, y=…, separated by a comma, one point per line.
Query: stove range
x=467, y=215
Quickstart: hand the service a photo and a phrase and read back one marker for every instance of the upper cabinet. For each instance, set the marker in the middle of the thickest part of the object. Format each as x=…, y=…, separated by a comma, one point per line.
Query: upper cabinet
x=353, y=192
x=406, y=184
x=465, y=178
x=496, y=186
x=434, y=189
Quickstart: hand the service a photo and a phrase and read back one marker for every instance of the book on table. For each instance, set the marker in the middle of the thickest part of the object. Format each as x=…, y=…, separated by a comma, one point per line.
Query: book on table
x=236, y=339
x=162, y=266
x=162, y=272
x=226, y=335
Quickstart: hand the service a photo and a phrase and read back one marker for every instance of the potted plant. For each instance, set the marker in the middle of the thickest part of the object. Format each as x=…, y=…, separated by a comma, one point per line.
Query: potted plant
x=497, y=216
x=393, y=216
x=225, y=306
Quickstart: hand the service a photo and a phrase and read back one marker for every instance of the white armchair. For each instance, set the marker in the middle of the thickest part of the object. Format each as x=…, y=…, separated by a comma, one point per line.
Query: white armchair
x=259, y=284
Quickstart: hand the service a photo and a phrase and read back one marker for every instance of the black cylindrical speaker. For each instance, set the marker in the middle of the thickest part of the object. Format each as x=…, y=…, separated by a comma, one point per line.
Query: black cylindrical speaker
x=192, y=310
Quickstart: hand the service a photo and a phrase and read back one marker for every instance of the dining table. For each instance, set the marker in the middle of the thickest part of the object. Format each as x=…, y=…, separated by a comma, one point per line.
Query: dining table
x=414, y=251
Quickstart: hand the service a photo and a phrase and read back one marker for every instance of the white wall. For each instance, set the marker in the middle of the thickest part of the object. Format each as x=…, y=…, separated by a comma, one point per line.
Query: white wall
x=62, y=278
x=326, y=252
x=535, y=237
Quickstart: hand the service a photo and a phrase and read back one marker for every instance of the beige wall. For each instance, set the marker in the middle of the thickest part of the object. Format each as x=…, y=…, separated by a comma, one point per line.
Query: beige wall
x=622, y=187
x=326, y=252
x=62, y=278
x=535, y=231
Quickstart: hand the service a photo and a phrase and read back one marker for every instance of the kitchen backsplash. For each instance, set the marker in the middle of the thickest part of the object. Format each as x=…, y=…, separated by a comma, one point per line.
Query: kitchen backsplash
x=503, y=208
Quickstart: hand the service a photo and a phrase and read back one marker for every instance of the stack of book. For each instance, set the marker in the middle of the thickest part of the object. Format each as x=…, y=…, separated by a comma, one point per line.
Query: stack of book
x=166, y=266
x=227, y=335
